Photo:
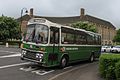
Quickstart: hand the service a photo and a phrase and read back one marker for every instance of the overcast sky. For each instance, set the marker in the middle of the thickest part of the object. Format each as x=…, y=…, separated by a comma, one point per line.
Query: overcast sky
x=105, y=9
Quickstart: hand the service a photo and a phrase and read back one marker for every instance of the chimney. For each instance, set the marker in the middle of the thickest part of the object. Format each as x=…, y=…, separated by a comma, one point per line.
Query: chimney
x=31, y=12
x=82, y=12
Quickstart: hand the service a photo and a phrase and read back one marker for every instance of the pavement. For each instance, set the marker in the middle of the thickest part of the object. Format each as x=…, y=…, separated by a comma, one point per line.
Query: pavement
x=10, y=46
x=12, y=68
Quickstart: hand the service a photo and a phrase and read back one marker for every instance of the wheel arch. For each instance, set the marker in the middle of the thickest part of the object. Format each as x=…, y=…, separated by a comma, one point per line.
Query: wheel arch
x=65, y=55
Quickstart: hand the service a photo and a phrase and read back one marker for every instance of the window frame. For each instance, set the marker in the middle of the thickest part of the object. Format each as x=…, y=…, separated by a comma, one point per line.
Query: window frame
x=68, y=32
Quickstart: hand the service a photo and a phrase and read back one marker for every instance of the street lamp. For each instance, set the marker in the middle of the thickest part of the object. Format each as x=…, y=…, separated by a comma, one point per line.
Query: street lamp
x=22, y=10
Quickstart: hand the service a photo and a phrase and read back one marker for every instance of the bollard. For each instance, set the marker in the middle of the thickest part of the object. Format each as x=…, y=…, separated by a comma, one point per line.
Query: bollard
x=7, y=45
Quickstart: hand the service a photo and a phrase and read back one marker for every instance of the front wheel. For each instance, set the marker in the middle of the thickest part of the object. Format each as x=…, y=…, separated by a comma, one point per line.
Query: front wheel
x=63, y=62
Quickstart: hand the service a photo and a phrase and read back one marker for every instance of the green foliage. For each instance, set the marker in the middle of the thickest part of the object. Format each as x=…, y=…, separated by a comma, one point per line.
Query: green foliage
x=84, y=25
x=107, y=65
x=9, y=28
x=117, y=70
x=117, y=37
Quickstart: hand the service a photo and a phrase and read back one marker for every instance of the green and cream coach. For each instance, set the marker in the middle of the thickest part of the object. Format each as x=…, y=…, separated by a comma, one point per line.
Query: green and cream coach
x=51, y=44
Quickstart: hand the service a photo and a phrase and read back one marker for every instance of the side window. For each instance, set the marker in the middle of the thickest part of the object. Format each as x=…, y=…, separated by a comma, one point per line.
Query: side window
x=67, y=36
x=97, y=39
x=54, y=35
x=91, y=39
x=80, y=37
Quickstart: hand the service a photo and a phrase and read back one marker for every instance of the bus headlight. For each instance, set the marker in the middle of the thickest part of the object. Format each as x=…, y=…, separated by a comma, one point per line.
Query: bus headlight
x=39, y=56
x=23, y=52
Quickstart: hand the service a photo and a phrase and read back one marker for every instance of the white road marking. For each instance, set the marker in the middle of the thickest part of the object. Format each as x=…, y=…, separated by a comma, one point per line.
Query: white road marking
x=7, y=56
x=46, y=72
x=13, y=65
x=27, y=69
x=9, y=52
x=42, y=72
x=36, y=71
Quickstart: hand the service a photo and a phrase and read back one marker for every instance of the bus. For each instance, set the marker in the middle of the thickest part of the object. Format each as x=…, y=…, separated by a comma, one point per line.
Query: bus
x=51, y=44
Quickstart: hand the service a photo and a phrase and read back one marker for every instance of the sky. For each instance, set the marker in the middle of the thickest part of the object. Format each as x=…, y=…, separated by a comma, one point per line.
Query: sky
x=105, y=9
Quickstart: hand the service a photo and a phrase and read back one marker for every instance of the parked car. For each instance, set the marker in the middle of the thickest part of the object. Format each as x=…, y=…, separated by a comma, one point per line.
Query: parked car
x=115, y=49
x=106, y=48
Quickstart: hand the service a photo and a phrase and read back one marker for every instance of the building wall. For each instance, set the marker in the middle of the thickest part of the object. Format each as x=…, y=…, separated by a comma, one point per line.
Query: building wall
x=23, y=26
x=107, y=33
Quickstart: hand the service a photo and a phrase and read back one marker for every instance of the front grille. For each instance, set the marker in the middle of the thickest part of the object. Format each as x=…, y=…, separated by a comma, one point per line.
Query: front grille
x=30, y=55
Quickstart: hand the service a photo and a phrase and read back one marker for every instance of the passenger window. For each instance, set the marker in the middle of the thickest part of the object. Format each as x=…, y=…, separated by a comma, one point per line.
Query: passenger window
x=67, y=36
x=80, y=37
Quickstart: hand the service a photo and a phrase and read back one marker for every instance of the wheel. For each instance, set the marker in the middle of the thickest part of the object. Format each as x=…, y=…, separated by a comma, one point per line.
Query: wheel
x=91, y=59
x=104, y=50
x=22, y=58
x=117, y=51
x=63, y=62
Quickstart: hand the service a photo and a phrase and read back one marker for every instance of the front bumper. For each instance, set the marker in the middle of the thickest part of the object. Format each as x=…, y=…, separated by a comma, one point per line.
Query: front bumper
x=35, y=61
x=32, y=56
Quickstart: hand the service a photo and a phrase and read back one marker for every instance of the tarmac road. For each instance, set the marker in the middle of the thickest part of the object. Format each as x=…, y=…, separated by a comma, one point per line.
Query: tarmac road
x=12, y=68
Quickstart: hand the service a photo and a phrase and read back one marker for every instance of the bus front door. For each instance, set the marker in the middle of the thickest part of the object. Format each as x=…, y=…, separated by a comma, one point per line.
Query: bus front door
x=54, y=41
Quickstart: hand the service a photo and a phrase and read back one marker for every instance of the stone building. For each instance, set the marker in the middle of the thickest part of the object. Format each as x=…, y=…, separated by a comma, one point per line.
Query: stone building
x=105, y=28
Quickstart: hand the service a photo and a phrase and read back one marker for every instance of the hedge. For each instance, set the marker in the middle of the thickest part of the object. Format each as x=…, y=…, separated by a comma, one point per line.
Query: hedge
x=117, y=70
x=108, y=66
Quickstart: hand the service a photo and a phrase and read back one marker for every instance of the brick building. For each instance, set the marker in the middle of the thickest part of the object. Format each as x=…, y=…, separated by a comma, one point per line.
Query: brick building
x=105, y=28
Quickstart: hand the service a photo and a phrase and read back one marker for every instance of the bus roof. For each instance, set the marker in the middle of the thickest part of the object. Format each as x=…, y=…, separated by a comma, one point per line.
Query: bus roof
x=47, y=22
x=42, y=21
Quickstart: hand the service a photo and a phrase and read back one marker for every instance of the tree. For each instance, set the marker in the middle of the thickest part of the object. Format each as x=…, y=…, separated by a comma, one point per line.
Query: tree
x=85, y=25
x=117, y=37
x=9, y=28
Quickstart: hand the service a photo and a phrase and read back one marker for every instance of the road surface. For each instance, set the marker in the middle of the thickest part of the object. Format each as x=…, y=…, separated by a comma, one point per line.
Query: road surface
x=12, y=68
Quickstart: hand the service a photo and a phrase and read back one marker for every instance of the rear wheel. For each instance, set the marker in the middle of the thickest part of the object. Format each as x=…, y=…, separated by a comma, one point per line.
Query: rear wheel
x=91, y=59
x=63, y=62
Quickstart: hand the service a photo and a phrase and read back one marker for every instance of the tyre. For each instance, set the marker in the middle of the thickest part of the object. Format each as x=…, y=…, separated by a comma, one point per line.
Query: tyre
x=117, y=51
x=104, y=50
x=91, y=59
x=22, y=58
x=63, y=62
